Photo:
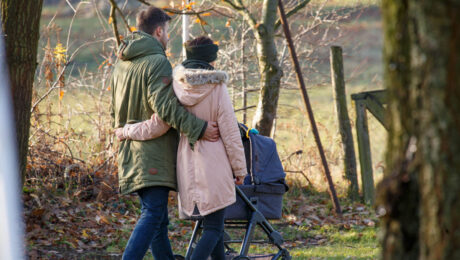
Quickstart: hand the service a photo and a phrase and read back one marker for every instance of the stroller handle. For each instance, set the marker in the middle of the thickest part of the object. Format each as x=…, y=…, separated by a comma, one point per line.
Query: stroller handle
x=245, y=198
x=251, y=206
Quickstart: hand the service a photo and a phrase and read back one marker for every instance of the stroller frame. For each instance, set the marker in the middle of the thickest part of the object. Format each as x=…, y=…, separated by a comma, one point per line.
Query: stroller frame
x=256, y=218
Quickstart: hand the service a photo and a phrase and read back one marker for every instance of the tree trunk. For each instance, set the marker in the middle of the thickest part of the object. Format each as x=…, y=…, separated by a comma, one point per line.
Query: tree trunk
x=21, y=23
x=436, y=66
x=269, y=69
x=400, y=224
x=420, y=194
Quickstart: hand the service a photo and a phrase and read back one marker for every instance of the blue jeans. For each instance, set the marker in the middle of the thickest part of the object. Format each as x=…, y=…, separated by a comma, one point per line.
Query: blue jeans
x=212, y=240
x=152, y=227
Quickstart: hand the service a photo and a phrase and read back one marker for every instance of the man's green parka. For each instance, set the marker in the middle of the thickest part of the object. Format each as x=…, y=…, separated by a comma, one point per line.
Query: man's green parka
x=141, y=85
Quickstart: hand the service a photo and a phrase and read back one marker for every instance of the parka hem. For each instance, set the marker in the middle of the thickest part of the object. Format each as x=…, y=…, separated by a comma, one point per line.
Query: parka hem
x=209, y=211
x=134, y=188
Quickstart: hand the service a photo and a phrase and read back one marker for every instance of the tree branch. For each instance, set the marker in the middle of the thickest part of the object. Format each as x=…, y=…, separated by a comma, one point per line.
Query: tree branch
x=144, y=2
x=234, y=5
x=178, y=11
x=293, y=11
x=114, y=4
x=181, y=12
x=114, y=23
x=61, y=73
x=201, y=24
x=243, y=11
x=53, y=87
x=192, y=12
x=223, y=14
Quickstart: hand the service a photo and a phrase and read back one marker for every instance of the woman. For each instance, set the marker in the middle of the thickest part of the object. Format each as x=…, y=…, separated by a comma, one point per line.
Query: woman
x=204, y=172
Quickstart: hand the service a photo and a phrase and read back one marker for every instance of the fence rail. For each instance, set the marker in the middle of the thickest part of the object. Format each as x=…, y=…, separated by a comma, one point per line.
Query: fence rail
x=372, y=101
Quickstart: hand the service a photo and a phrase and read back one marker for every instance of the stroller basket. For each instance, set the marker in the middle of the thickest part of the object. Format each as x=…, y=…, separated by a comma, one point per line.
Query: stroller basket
x=255, y=218
x=267, y=198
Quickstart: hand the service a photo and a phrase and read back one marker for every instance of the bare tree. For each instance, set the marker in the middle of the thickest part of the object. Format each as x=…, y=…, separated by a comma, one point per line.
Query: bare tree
x=264, y=29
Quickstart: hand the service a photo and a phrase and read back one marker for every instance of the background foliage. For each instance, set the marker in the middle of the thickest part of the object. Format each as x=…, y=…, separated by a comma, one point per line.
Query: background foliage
x=70, y=191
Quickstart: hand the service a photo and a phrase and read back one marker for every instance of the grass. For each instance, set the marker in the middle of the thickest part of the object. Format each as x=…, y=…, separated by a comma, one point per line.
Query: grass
x=346, y=245
x=337, y=251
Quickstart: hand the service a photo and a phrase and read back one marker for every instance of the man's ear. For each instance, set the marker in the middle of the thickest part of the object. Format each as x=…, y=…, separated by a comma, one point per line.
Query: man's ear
x=158, y=31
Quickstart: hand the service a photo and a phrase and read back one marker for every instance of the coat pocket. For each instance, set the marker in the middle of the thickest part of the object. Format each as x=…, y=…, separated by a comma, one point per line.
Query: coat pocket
x=124, y=154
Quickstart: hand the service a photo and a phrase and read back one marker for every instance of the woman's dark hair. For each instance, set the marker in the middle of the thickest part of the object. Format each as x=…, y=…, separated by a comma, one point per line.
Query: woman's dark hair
x=202, y=40
x=150, y=19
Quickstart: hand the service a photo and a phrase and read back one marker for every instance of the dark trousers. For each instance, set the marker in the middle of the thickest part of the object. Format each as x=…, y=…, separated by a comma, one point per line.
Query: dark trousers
x=152, y=227
x=212, y=239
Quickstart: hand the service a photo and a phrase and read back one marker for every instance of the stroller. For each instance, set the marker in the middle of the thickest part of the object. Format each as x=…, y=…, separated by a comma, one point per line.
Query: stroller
x=258, y=199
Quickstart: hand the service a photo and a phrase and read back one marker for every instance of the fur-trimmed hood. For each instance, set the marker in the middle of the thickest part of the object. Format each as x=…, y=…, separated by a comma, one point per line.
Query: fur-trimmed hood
x=193, y=85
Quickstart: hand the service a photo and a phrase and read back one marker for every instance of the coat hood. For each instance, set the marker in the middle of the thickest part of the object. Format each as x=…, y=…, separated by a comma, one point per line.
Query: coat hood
x=139, y=44
x=193, y=85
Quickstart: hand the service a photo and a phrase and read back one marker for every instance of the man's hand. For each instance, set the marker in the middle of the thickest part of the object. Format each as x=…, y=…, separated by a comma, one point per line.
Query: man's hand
x=239, y=180
x=211, y=133
x=119, y=133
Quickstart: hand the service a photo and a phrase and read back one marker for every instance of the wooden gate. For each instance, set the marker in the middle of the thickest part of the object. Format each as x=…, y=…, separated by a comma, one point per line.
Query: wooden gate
x=373, y=102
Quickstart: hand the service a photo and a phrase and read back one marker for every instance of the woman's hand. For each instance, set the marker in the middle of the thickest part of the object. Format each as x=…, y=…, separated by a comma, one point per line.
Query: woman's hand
x=119, y=134
x=239, y=180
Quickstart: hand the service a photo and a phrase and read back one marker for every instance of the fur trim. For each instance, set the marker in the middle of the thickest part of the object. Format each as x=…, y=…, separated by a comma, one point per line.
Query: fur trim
x=196, y=77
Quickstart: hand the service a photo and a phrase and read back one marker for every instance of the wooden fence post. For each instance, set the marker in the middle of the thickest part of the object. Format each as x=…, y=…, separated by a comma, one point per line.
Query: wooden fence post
x=340, y=100
x=365, y=159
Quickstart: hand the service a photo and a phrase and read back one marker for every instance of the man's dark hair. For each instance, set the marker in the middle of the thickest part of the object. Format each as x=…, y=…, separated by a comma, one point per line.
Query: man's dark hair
x=202, y=40
x=150, y=19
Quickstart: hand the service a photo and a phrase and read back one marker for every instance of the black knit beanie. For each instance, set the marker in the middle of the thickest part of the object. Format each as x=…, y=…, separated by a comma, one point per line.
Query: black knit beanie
x=205, y=52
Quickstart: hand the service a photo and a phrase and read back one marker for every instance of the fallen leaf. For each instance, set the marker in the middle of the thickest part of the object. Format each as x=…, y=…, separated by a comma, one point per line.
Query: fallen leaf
x=368, y=222
x=84, y=234
x=104, y=219
x=38, y=212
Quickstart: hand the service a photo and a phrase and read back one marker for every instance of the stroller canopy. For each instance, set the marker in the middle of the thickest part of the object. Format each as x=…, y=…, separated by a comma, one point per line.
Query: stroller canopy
x=266, y=164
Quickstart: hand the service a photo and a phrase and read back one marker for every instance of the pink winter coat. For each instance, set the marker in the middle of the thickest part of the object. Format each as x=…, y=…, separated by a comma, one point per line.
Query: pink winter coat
x=204, y=175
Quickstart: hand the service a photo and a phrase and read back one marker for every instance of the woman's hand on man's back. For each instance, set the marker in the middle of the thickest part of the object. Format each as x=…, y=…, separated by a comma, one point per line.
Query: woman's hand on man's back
x=212, y=132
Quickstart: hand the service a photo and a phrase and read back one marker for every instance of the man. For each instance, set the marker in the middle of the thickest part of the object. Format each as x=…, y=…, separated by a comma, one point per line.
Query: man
x=141, y=86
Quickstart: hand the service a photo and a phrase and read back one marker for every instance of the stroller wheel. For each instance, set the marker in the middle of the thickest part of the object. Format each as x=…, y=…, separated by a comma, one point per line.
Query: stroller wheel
x=285, y=255
x=179, y=257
